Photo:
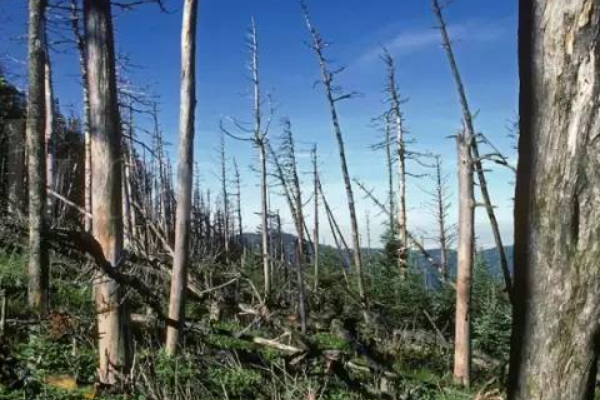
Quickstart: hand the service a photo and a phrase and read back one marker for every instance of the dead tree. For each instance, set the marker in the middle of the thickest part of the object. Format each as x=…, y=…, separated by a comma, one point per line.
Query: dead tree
x=440, y=206
x=334, y=96
x=15, y=163
x=184, y=176
x=80, y=44
x=38, y=252
x=557, y=206
x=105, y=133
x=316, y=245
x=477, y=158
x=258, y=132
x=238, y=197
x=290, y=178
x=49, y=126
x=466, y=240
x=395, y=117
x=225, y=194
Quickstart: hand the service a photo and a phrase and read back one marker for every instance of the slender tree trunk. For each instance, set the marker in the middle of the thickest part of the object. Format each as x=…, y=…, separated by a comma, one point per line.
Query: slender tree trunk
x=440, y=203
x=87, y=176
x=105, y=134
x=15, y=131
x=400, y=139
x=466, y=237
x=557, y=210
x=238, y=195
x=468, y=121
x=38, y=252
x=389, y=163
x=264, y=216
x=185, y=174
x=327, y=81
x=316, y=251
x=225, y=193
x=49, y=128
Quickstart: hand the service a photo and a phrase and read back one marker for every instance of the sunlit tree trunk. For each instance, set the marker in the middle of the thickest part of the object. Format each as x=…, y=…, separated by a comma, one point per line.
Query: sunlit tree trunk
x=105, y=134
x=184, y=174
x=466, y=238
x=557, y=211
x=38, y=252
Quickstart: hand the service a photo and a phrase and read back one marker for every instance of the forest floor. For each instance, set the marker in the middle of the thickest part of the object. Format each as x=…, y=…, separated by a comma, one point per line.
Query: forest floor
x=236, y=350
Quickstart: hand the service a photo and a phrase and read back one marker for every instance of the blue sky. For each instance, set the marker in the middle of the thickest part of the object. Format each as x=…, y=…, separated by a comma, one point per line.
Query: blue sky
x=485, y=42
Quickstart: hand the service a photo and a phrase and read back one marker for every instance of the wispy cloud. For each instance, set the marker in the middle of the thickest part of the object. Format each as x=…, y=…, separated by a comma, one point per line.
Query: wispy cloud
x=411, y=41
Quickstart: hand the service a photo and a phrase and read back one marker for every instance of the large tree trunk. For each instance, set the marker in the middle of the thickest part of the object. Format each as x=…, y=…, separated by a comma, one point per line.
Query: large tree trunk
x=557, y=240
x=105, y=134
x=466, y=238
x=38, y=252
x=184, y=174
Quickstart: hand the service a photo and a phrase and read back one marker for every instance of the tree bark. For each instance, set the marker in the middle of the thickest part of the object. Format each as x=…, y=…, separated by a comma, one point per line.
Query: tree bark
x=38, y=252
x=185, y=174
x=105, y=135
x=316, y=246
x=557, y=242
x=49, y=129
x=466, y=238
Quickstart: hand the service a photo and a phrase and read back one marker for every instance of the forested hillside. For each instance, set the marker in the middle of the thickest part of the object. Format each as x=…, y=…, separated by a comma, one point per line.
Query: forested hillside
x=124, y=274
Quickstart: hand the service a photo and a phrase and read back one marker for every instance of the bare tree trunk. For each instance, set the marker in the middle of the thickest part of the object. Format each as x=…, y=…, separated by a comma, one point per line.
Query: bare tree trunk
x=185, y=174
x=38, y=252
x=395, y=115
x=225, y=193
x=440, y=202
x=468, y=121
x=389, y=163
x=49, y=128
x=264, y=216
x=238, y=195
x=80, y=43
x=327, y=80
x=105, y=133
x=466, y=238
x=316, y=244
x=557, y=209
x=15, y=131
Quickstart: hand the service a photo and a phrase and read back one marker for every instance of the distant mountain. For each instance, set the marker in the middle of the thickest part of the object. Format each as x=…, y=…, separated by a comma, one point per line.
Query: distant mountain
x=489, y=256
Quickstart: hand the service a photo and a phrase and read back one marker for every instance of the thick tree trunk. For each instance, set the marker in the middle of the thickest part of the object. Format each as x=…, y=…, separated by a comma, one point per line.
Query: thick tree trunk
x=105, y=134
x=557, y=241
x=185, y=174
x=466, y=238
x=38, y=252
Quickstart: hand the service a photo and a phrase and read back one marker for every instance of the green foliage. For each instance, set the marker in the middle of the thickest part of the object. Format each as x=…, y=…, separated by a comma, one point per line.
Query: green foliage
x=237, y=382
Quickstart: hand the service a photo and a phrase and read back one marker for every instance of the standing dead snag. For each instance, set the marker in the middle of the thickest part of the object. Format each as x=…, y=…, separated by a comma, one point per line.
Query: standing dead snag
x=225, y=194
x=333, y=95
x=477, y=159
x=316, y=245
x=466, y=240
x=259, y=133
x=238, y=197
x=440, y=204
x=395, y=117
x=554, y=348
x=105, y=133
x=38, y=252
x=184, y=174
x=49, y=126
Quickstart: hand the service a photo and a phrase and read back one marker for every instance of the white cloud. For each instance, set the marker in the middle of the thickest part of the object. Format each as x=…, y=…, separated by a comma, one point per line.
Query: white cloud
x=411, y=41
